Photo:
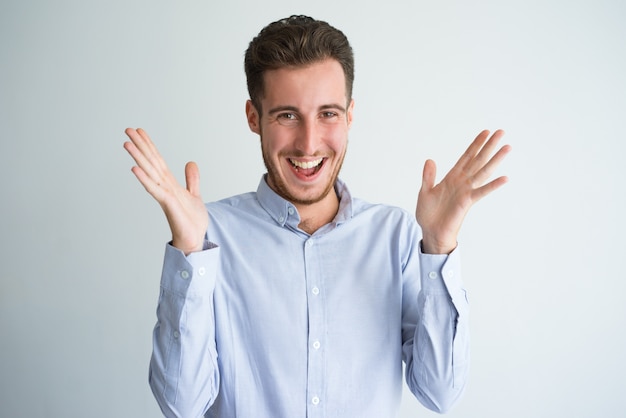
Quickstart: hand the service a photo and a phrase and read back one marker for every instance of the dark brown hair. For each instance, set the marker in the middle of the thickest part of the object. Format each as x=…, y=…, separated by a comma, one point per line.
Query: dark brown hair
x=292, y=42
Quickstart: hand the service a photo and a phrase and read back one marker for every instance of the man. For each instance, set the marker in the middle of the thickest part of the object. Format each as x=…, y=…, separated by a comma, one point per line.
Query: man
x=299, y=300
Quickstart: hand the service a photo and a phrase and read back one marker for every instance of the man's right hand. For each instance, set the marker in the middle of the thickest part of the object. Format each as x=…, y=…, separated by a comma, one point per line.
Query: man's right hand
x=183, y=207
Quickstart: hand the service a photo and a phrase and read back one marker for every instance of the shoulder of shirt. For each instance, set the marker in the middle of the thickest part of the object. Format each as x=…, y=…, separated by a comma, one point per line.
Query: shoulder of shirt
x=235, y=200
x=362, y=207
x=244, y=201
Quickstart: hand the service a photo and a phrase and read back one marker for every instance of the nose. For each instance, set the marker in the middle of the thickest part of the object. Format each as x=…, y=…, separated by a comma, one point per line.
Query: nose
x=307, y=140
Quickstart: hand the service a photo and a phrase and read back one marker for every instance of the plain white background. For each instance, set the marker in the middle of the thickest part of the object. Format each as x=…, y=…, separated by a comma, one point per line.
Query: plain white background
x=83, y=242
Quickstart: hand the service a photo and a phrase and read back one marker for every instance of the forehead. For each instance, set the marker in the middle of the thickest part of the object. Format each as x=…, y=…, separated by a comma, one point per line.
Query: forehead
x=322, y=81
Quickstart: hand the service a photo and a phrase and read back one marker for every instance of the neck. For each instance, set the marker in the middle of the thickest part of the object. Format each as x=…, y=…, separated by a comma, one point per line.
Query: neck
x=314, y=216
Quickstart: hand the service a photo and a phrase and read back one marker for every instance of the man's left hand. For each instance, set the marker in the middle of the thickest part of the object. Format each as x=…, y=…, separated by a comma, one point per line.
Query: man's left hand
x=441, y=208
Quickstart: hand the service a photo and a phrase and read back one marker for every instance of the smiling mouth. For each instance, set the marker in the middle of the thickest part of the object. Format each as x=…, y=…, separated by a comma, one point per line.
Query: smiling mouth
x=307, y=168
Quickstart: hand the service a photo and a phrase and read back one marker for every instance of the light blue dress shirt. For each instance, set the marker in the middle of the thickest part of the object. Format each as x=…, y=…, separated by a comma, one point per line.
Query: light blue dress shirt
x=270, y=321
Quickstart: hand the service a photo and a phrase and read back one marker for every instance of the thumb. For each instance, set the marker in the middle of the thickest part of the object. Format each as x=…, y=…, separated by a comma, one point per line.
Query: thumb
x=192, y=178
x=428, y=175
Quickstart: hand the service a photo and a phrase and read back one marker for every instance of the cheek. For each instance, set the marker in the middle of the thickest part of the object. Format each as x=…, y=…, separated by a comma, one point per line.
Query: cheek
x=281, y=137
x=271, y=143
x=337, y=139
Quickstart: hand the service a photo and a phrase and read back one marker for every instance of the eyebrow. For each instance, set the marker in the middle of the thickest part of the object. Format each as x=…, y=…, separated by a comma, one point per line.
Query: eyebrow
x=287, y=108
x=282, y=109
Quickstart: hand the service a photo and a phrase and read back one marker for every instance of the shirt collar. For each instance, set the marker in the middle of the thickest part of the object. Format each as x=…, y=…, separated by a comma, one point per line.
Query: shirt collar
x=285, y=213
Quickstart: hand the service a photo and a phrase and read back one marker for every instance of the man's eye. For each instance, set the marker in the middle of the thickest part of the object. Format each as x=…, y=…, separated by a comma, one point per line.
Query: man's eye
x=287, y=119
x=330, y=116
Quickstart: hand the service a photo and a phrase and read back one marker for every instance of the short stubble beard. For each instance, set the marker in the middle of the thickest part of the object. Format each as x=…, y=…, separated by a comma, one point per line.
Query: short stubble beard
x=275, y=182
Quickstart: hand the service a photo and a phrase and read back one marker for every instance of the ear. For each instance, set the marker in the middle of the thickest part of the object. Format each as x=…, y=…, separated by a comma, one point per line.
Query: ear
x=254, y=120
x=349, y=113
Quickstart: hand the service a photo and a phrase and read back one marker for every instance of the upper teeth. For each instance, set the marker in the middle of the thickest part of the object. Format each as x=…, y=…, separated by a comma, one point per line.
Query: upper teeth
x=306, y=164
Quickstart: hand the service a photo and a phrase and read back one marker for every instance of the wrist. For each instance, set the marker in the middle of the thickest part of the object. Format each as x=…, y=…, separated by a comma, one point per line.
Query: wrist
x=433, y=246
x=187, y=249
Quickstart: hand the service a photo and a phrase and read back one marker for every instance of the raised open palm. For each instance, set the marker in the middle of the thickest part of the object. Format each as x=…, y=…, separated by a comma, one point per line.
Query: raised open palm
x=183, y=206
x=441, y=208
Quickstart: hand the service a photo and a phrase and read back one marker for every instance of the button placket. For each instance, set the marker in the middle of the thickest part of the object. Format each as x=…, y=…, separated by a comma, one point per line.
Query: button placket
x=315, y=306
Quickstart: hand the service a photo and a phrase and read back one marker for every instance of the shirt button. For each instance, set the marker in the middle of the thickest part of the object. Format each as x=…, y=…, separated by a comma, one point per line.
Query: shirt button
x=316, y=345
x=176, y=334
x=432, y=274
x=201, y=271
x=315, y=291
x=290, y=210
x=315, y=400
x=184, y=274
x=281, y=220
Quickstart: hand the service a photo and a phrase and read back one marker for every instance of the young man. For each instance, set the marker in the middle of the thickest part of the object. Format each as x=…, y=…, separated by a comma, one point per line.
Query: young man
x=299, y=300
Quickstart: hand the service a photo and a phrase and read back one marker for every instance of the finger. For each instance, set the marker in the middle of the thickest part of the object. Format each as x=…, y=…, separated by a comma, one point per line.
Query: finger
x=429, y=175
x=192, y=178
x=136, y=138
x=151, y=186
x=139, y=138
x=472, y=150
x=149, y=146
x=148, y=157
x=483, y=191
x=487, y=169
x=144, y=144
x=484, y=154
x=142, y=162
x=140, y=146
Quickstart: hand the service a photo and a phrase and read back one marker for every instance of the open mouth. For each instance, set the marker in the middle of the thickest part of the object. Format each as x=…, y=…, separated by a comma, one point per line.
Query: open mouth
x=307, y=168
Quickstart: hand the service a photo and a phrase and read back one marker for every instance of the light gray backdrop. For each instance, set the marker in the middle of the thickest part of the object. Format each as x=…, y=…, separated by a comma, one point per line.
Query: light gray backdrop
x=83, y=243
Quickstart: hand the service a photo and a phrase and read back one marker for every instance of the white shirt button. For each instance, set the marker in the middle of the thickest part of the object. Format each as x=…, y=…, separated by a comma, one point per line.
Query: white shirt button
x=281, y=220
x=201, y=271
x=315, y=291
x=317, y=345
x=184, y=274
x=290, y=210
x=432, y=275
x=315, y=400
x=176, y=334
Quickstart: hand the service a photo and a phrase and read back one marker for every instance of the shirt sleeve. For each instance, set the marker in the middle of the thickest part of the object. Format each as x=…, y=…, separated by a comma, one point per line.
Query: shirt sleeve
x=436, y=329
x=184, y=375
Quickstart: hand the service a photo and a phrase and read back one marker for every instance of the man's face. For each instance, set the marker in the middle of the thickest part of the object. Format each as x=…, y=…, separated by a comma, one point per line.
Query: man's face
x=303, y=130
